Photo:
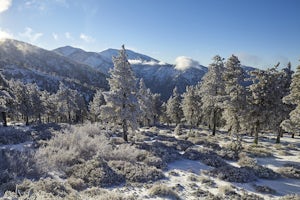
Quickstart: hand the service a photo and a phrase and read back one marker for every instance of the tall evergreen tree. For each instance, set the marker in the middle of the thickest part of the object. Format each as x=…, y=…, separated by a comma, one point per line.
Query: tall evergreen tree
x=292, y=124
x=146, y=104
x=95, y=104
x=235, y=105
x=5, y=98
x=174, y=110
x=212, y=91
x=191, y=106
x=121, y=100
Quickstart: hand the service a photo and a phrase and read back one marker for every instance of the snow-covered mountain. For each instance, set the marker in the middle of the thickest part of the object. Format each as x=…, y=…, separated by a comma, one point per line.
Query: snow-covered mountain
x=159, y=77
x=29, y=63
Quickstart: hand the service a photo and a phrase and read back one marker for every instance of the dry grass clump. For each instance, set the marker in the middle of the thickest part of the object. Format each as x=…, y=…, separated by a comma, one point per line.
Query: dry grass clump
x=163, y=191
x=226, y=190
x=207, y=181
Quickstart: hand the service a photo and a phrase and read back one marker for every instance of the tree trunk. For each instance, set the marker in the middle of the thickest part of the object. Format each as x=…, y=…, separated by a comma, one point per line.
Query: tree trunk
x=214, y=123
x=69, y=116
x=4, y=119
x=256, y=132
x=280, y=131
x=27, y=120
x=293, y=135
x=124, y=126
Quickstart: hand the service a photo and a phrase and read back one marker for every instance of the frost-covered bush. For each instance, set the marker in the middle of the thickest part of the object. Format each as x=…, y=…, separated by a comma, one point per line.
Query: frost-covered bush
x=206, y=156
x=264, y=189
x=232, y=174
x=227, y=190
x=258, y=151
x=289, y=171
x=77, y=183
x=17, y=164
x=207, y=181
x=136, y=172
x=161, y=150
x=49, y=188
x=231, y=150
x=177, y=130
x=163, y=191
x=95, y=173
x=13, y=135
x=290, y=197
x=259, y=171
x=72, y=146
x=202, y=194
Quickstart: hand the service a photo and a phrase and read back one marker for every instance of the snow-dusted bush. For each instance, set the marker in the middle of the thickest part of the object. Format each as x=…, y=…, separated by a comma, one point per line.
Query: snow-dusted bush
x=232, y=174
x=17, y=164
x=259, y=171
x=163, y=191
x=77, y=183
x=72, y=146
x=289, y=171
x=95, y=173
x=290, y=197
x=258, y=151
x=177, y=130
x=227, y=190
x=13, y=135
x=207, y=181
x=44, y=189
x=206, y=156
x=136, y=172
x=202, y=194
x=264, y=189
x=161, y=150
x=96, y=193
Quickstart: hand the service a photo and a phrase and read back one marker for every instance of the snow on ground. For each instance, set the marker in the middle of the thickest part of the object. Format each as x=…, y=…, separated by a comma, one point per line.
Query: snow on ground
x=17, y=147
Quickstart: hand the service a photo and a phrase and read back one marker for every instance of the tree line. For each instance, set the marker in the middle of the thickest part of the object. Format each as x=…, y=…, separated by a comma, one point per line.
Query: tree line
x=228, y=97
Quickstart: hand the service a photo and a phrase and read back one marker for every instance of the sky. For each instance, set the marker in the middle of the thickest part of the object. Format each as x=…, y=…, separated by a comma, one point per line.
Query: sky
x=260, y=32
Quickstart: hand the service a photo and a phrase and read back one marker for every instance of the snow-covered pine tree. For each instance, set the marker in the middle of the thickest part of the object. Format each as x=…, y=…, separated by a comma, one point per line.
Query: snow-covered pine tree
x=292, y=124
x=191, y=106
x=121, y=100
x=212, y=91
x=157, y=103
x=146, y=104
x=164, y=118
x=95, y=104
x=66, y=102
x=174, y=110
x=5, y=98
x=36, y=100
x=50, y=104
x=235, y=105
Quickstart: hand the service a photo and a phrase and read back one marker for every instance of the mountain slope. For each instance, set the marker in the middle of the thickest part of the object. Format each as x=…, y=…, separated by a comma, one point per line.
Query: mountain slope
x=160, y=78
x=29, y=63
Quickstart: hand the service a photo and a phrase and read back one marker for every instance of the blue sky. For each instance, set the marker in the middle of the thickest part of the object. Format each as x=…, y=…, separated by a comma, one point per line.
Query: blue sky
x=259, y=32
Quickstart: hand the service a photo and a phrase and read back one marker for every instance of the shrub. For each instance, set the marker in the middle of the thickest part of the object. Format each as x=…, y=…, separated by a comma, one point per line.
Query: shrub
x=77, y=183
x=232, y=174
x=290, y=172
x=202, y=194
x=246, y=161
x=136, y=172
x=72, y=146
x=264, y=189
x=206, y=156
x=163, y=191
x=227, y=190
x=258, y=151
x=177, y=130
x=207, y=181
x=290, y=197
x=95, y=173
x=13, y=135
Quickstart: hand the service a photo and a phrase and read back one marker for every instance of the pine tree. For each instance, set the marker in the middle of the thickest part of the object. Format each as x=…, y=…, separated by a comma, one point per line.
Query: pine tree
x=157, y=103
x=191, y=104
x=95, y=104
x=66, y=99
x=50, y=104
x=235, y=105
x=6, y=98
x=146, y=104
x=36, y=101
x=292, y=124
x=212, y=91
x=174, y=110
x=121, y=100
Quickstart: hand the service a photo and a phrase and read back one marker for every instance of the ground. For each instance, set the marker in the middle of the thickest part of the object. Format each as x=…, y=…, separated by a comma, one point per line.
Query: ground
x=155, y=164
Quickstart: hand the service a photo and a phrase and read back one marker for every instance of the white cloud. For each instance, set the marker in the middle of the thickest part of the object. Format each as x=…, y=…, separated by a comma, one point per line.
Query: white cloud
x=4, y=5
x=30, y=34
x=55, y=36
x=142, y=62
x=5, y=34
x=86, y=38
x=68, y=35
x=249, y=59
x=183, y=63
